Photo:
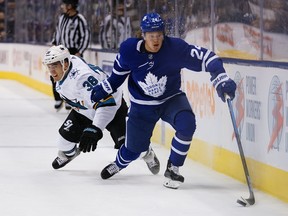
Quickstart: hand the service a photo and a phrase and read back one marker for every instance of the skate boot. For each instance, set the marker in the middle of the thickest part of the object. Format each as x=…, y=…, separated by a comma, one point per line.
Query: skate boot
x=173, y=178
x=152, y=161
x=67, y=106
x=110, y=170
x=62, y=159
x=58, y=104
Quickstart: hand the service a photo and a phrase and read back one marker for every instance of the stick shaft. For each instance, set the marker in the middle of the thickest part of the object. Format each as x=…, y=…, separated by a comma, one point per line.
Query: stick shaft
x=243, y=160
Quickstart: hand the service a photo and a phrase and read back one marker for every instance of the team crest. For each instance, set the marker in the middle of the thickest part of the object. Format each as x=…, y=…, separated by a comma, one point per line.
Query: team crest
x=152, y=86
x=73, y=74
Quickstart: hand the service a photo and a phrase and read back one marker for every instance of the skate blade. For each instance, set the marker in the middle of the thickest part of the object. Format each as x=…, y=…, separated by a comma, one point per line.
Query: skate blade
x=171, y=184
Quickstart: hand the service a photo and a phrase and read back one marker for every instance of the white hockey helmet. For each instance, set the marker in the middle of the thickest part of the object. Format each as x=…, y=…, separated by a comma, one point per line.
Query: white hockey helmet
x=55, y=54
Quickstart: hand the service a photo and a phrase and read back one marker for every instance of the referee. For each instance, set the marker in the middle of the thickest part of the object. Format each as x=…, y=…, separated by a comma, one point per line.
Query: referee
x=73, y=32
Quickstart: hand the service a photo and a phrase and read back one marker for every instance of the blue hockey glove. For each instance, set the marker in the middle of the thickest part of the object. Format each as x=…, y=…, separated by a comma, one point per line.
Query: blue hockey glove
x=90, y=136
x=98, y=93
x=224, y=86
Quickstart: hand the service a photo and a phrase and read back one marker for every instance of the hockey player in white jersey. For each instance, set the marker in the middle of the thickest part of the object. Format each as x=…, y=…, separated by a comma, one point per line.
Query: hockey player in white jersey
x=153, y=66
x=84, y=125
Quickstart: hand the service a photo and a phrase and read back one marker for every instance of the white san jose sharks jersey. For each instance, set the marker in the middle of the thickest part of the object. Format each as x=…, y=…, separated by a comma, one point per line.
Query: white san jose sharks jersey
x=75, y=88
x=155, y=77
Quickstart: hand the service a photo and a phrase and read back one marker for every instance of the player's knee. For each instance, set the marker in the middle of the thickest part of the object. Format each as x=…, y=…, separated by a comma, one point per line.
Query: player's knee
x=185, y=125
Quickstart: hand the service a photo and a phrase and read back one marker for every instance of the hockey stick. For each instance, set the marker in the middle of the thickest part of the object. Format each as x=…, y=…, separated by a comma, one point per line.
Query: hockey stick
x=251, y=200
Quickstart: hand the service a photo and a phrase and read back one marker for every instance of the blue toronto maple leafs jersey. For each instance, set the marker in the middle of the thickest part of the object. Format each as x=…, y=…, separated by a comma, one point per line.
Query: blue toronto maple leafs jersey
x=155, y=77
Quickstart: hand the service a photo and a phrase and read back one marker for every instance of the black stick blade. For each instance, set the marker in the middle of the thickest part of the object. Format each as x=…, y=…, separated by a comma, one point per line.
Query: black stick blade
x=246, y=202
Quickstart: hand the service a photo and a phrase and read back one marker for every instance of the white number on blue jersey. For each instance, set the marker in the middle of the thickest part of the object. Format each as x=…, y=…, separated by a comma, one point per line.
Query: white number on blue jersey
x=197, y=52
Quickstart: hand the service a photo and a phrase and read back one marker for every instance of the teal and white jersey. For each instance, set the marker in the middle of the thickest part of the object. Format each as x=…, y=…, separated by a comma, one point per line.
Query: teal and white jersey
x=76, y=86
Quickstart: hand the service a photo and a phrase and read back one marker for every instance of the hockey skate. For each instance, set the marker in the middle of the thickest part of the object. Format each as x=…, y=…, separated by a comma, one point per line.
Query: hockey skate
x=62, y=159
x=173, y=178
x=110, y=170
x=152, y=161
x=58, y=105
x=67, y=106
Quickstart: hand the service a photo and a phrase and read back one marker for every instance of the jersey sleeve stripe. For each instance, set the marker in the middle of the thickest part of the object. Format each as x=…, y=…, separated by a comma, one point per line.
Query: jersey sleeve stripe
x=120, y=73
x=211, y=59
x=204, y=60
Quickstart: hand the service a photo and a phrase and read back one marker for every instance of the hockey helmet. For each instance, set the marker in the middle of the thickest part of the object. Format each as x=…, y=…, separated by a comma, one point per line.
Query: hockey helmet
x=55, y=54
x=74, y=3
x=152, y=22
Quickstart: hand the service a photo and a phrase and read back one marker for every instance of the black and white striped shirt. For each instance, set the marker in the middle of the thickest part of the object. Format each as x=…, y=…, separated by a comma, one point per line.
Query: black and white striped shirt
x=72, y=32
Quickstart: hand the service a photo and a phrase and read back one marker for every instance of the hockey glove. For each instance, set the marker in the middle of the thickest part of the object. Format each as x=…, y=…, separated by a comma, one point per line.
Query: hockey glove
x=90, y=136
x=224, y=86
x=101, y=91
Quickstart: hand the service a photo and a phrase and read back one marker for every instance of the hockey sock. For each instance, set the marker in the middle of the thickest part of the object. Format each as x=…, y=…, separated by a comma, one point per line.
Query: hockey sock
x=71, y=152
x=179, y=150
x=185, y=125
x=125, y=157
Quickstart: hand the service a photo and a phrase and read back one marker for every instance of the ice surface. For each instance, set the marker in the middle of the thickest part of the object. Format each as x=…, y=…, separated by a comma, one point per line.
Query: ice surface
x=30, y=187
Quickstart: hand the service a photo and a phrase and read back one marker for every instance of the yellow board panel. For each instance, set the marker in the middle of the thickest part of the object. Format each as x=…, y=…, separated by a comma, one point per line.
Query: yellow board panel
x=264, y=177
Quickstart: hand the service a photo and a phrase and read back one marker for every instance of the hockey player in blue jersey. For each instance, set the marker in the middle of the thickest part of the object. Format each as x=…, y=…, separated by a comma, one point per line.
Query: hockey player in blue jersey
x=153, y=64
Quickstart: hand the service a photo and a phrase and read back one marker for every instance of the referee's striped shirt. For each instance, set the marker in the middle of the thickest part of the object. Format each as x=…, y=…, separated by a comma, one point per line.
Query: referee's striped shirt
x=72, y=32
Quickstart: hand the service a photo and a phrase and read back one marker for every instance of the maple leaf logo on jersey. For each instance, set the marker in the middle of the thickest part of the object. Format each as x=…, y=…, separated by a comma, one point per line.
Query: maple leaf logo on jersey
x=152, y=86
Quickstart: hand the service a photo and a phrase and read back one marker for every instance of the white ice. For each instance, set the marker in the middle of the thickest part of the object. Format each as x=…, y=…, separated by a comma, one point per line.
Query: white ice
x=30, y=187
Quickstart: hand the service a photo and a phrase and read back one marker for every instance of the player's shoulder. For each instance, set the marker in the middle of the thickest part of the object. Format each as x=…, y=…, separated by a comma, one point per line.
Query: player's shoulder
x=130, y=48
x=78, y=67
x=130, y=43
x=77, y=62
x=175, y=45
x=175, y=42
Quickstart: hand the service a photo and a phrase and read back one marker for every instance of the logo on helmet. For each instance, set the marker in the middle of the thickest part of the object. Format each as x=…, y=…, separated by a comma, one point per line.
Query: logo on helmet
x=152, y=22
